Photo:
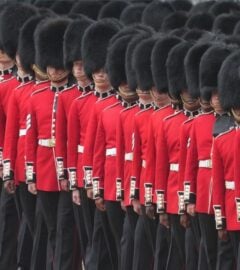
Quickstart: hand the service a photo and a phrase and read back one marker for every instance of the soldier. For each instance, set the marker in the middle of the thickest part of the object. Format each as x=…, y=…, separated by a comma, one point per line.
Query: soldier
x=94, y=52
x=77, y=121
x=41, y=132
x=224, y=195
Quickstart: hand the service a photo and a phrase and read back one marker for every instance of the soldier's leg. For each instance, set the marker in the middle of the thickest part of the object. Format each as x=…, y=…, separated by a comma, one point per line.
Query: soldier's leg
x=116, y=217
x=162, y=247
x=209, y=241
x=234, y=237
x=9, y=225
x=127, y=241
x=49, y=206
x=65, y=232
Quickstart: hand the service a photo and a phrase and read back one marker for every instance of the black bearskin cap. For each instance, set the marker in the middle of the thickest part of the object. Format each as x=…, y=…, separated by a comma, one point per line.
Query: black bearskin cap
x=225, y=23
x=202, y=21
x=95, y=44
x=73, y=39
x=88, y=8
x=183, y=5
x=201, y=7
x=175, y=20
x=62, y=7
x=159, y=59
x=194, y=34
x=112, y=9
x=221, y=7
x=132, y=14
x=49, y=43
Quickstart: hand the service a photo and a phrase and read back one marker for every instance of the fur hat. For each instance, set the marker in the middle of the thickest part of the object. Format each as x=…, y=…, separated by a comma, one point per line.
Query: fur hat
x=183, y=5
x=132, y=14
x=159, y=59
x=155, y=12
x=26, y=46
x=201, y=7
x=194, y=34
x=191, y=65
x=179, y=32
x=229, y=81
x=95, y=44
x=210, y=65
x=45, y=4
x=202, y=21
x=130, y=70
x=73, y=39
x=175, y=69
x=225, y=23
x=142, y=63
x=49, y=42
x=174, y=21
x=112, y=9
x=115, y=64
x=11, y=20
x=221, y=7
x=88, y=8
x=62, y=7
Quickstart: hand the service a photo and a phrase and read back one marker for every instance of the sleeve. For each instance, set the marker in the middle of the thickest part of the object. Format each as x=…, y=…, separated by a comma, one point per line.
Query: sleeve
x=137, y=162
x=120, y=154
x=11, y=140
x=31, y=143
x=237, y=172
x=99, y=160
x=162, y=170
x=73, y=128
x=89, y=148
x=149, y=180
x=191, y=170
x=61, y=140
x=2, y=132
x=218, y=187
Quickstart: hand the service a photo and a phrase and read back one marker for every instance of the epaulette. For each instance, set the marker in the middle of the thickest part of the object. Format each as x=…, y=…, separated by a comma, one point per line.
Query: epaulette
x=172, y=115
x=40, y=90
x=225, y=132
x=68, y=88
x=144, y=110
x=84, y=95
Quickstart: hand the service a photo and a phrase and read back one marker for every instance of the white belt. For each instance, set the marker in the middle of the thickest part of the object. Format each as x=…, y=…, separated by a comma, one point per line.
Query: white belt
x=80, y=148
x=174, y=167
x=230, y=185
x=205, y=163
x=47, y=142
x=111, y=152
x=144, y=163
x=22, y=132
x=129, y=156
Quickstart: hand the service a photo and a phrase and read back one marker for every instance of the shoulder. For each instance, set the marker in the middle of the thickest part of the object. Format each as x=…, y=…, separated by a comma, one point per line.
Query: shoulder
x=39, y=91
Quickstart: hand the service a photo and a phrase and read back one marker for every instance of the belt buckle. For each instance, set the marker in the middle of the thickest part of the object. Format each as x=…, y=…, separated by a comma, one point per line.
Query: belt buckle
x=52, y=142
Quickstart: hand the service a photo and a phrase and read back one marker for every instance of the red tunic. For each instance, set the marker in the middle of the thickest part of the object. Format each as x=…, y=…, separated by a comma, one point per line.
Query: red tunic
x=65, y=100
x=104, y=161
x=168, y=146
x=78, y=119
x=199, y=178
x=125, y=149
x=89, y=141
x=140, y=140
x=223, y=180
x=155, y=124
x=41, y=137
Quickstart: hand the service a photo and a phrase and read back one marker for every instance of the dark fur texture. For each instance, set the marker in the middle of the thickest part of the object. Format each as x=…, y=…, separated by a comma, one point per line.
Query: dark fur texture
x=202, y=21
x=183, y=5
x=73, y=39
x=88, y=8
x=221, y=7
x=174, y=21
x=159, y=59
x=202, y=7
x=95, y=44
x=62, y=7
x=132, y=14
x=112, y=9
x=225, y=23
x=194, y=34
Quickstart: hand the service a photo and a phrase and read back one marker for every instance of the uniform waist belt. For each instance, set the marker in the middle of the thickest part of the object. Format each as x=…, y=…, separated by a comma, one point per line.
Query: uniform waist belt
x=111, y=152
x=80, y=148
x=230, y=185
x=174, y=167
x=129, y=156
x=144, y=163
x=22, y=132
x=205, y=163
x=47, y=142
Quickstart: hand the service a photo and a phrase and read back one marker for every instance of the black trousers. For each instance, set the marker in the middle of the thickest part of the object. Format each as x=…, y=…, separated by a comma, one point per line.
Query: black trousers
x=144, y=244
x=208, y=242
x=127, y=241
x=103, y=252
x=115, y=216
x=9, y=225
x=64, y=252
x=49, y=207
x=176, y=255
x=162, y=247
